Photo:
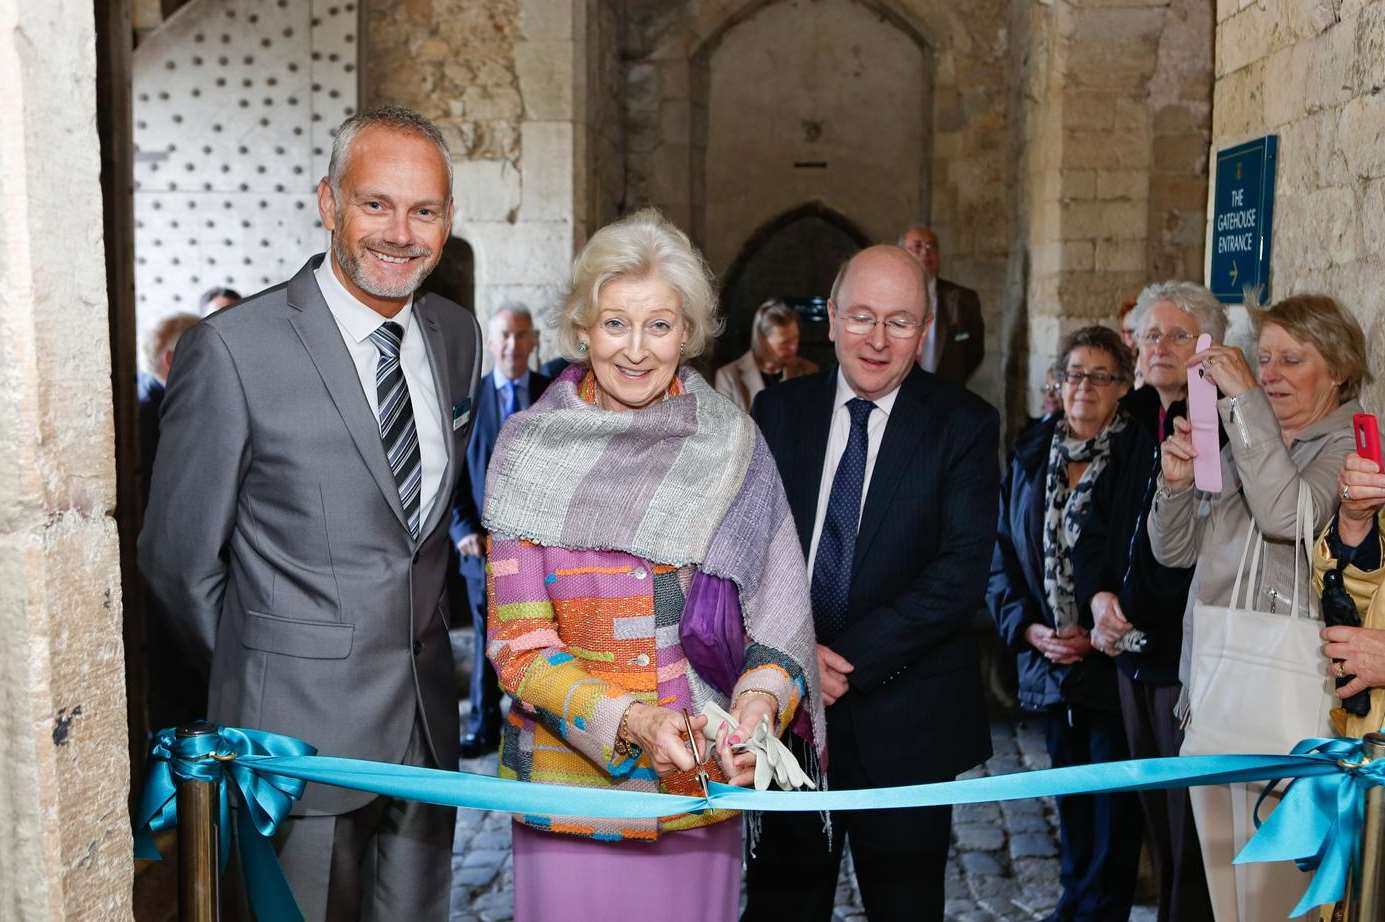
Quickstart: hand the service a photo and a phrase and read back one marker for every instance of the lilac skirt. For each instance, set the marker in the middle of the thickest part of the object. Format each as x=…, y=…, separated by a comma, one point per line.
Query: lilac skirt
x=689, y=876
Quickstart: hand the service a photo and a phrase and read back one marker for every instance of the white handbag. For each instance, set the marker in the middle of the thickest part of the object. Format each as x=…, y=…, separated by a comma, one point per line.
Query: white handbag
x=1259, y=680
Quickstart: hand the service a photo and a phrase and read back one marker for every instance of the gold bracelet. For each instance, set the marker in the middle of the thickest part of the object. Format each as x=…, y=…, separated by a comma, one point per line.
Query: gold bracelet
x=773, y=699
x=624, y=746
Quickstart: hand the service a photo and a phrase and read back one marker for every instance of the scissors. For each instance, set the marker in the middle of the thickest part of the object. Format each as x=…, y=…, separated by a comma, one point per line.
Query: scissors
x=697, y=752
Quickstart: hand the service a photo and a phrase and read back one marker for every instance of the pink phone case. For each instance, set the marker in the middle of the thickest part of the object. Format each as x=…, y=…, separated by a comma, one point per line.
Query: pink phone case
x=1202, y=414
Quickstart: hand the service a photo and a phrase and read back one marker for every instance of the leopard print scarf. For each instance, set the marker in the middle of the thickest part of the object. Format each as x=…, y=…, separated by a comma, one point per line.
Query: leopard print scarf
x=1066, y=508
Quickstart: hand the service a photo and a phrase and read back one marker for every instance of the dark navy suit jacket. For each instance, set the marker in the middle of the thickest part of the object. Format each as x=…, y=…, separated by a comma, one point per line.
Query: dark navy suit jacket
x=471, y=489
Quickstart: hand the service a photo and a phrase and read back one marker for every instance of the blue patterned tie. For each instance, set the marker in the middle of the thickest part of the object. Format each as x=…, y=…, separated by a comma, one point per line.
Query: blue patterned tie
x=397, y=430
x=509, y=402
x=837, y=544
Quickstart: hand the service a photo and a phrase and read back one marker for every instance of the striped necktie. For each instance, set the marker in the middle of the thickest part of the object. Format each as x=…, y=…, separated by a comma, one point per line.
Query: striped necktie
x=397, y=421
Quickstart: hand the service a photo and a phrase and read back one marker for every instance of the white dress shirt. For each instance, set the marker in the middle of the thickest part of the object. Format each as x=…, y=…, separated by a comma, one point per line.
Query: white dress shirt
x=356, y=322
x=837, y=437
x=522, y=395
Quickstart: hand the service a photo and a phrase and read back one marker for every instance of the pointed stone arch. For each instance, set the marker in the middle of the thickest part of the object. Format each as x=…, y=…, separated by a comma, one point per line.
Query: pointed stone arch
x=795, y=256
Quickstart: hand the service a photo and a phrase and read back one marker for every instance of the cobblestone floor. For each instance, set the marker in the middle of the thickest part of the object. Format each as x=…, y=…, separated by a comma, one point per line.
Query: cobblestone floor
x=1003, y=866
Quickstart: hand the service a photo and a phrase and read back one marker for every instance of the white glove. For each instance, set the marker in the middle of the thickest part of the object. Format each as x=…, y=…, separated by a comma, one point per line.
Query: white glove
x=773, y=760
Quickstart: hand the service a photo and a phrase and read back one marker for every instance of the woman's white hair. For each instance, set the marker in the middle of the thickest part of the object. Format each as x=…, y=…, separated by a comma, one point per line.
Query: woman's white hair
x=641, y=245
x=1189, y=297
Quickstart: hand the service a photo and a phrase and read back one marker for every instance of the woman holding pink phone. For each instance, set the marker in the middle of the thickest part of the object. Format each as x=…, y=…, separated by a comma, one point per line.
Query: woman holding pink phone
x=1289, y=430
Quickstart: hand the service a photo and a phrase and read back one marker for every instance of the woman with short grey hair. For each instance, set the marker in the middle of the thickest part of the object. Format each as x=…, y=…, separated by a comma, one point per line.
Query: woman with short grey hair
x=1140, y=623
x=644, y=568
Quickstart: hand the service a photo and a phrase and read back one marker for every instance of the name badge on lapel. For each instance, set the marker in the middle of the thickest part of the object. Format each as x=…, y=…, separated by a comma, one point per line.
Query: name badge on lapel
x=461, y=413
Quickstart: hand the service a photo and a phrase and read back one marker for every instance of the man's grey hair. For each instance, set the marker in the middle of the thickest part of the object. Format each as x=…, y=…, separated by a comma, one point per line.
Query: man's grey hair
x=912, y=227
x=517, y=308
x=393, y=118
x=1189, y=297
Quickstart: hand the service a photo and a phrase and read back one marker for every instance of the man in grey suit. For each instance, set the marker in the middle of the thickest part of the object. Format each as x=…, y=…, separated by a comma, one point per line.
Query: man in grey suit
x=312, y=438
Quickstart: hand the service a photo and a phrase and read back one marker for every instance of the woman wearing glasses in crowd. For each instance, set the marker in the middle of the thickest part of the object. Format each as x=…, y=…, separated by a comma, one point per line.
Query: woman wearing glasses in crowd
x=1168, y=318
x=1287, y=423
x=1044, y=572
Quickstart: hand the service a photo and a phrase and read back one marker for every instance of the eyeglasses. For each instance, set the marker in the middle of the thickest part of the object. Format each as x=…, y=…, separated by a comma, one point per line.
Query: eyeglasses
x=1094, y=378
x=895, y=327
x=1173, y=337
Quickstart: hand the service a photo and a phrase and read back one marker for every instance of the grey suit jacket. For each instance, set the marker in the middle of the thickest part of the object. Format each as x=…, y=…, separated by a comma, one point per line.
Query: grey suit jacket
x=275, y=536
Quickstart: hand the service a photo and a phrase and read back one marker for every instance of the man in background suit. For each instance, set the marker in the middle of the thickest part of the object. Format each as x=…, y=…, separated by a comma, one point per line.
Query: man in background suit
x=956, y=342
x=312, y=437
x=509, y=388
x=892, y=477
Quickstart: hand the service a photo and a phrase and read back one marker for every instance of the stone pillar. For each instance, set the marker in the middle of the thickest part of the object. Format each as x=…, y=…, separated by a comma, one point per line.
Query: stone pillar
x=1113, y=165
x=65, y=852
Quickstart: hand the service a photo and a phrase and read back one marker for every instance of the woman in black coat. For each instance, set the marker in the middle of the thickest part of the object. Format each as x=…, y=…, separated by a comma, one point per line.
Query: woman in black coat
x=1169, y=317
x=1046, y=568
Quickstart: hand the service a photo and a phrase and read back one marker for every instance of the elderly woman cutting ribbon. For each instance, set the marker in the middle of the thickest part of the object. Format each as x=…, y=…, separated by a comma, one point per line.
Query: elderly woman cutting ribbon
x=643, y=563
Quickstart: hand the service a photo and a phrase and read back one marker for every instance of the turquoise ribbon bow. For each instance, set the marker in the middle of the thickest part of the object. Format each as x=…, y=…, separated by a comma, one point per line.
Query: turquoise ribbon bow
x=228, y=755
x=1317, y=824
x=1319, y=821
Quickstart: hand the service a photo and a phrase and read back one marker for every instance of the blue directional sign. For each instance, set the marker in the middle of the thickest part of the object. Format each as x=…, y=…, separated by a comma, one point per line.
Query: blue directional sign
x=1243, y=212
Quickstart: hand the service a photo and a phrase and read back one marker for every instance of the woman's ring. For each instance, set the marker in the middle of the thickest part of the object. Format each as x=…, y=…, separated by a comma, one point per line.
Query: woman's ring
x=1346, y=492
x=1341, y=669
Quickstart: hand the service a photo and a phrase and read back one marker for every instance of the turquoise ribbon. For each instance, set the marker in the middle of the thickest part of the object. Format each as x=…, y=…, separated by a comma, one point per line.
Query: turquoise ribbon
x=1319, y=821
x=1317, y=824
x=228, y=757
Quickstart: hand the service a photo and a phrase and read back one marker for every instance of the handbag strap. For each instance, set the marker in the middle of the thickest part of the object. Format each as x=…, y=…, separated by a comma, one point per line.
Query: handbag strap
x=1251, y=534
x=1303, y=546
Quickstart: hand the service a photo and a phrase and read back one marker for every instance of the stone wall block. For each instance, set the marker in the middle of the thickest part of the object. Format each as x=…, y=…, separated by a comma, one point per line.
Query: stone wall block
x=532, y=253
x=1361, y=136
x=1093, y=111
x=1181, y=153
x=1331, y=63
x=1077, y=185
x=1246, y=37
x=547, y=79
x=1334, y=222
x=487, y=190
x=1121, y=255
x=1238, y=103
x=1124, y=220
x=1287, y=72
x=1368, y=68
x=549, y=168
x=547, y=20
x=1373, y=221
x=1123, y=184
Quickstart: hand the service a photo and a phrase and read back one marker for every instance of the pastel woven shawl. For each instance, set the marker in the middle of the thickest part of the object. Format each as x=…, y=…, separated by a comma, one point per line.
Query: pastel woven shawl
x=685, y=481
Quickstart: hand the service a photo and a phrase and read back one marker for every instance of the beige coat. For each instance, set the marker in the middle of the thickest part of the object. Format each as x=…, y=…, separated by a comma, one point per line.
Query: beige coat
x=740, y=380
x=1260, y=477
x=1370, y=603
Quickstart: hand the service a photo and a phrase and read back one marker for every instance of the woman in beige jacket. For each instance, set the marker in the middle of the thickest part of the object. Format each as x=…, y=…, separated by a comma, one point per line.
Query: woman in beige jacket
x=1289, y=423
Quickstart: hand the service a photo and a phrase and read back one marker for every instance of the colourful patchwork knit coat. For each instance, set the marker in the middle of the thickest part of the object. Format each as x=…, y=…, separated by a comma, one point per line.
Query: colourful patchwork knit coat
x=578, y=636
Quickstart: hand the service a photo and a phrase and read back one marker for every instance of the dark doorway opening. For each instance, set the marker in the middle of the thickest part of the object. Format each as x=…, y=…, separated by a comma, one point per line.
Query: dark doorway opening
x=795, y=257
x=454, y=277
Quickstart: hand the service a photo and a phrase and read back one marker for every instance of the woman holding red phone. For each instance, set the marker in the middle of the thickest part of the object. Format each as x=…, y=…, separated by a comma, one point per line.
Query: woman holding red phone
x=1351, y=547
x=1288, y=425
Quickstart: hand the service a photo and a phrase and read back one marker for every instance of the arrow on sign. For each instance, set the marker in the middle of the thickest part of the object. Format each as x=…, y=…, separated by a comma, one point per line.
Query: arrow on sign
x=1235, y=272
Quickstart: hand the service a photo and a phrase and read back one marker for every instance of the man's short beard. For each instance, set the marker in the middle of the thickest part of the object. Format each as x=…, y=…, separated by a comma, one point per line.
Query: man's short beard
x=351, y=265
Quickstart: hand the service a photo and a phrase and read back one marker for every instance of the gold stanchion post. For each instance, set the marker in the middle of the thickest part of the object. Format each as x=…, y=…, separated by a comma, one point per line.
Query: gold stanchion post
x=198, y=896
x=1365, y=901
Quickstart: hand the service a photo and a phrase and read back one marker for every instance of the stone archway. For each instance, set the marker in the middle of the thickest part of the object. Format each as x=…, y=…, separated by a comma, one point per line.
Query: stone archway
x=960, y=180
x=795, y=256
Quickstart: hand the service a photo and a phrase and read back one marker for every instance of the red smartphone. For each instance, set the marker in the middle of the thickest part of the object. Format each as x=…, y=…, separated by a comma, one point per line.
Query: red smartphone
x=1367, y=437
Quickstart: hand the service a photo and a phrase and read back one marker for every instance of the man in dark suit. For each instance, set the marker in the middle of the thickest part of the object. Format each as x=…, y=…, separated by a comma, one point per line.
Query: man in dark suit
x=509, y=388
x=956, y=343
x=311, y=441
x=893, y=481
